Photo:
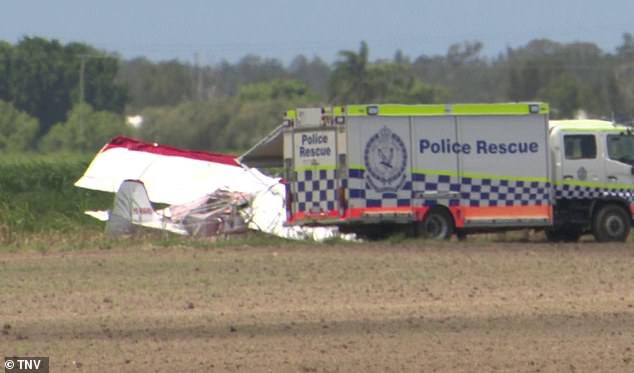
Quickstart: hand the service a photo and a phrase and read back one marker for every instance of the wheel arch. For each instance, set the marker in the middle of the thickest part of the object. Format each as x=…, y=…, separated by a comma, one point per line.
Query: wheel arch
x=606, y=223
x=441, y=213
x=597, y=205
x=439, y=208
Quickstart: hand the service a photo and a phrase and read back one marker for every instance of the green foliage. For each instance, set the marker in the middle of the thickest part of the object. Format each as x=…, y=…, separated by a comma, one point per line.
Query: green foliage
x=85, y=130
x=157, y=84
x=350, y=80
x=571, y=77
x=38, y=196
x=17, y=129
x=395, y=83
x=563, y=95
x=463, y=74
x=222, y=125
x=42, y=78
x=314, y=73
x=356, y=80
x=6, y=51
x=191, y=125
x=277, y=89
x=251, y=122
x=227, y=79
x=228, y=106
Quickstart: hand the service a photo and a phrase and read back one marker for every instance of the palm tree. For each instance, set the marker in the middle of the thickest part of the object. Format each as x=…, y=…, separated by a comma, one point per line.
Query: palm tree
x=350, y=81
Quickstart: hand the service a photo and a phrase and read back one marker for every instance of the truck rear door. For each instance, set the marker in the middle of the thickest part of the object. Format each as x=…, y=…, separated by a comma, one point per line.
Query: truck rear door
x=314, y=183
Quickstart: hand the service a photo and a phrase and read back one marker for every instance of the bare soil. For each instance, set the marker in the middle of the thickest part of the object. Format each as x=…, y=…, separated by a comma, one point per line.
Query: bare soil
x=388, y=307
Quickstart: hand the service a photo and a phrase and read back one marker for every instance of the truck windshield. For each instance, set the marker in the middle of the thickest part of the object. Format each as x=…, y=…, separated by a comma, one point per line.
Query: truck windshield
x=621, y=148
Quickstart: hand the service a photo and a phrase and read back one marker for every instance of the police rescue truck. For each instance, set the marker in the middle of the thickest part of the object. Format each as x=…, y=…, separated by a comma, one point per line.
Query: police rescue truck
x=460, y=168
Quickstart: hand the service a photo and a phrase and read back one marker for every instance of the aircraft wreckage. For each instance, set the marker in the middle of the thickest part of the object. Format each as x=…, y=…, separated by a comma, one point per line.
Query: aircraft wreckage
x=208, y=194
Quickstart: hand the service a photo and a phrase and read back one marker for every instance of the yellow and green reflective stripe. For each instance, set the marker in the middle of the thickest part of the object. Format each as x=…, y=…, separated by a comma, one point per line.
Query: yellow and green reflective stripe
x=498, y=109
x=397, y=110
x=356, y=110
x=455, y=109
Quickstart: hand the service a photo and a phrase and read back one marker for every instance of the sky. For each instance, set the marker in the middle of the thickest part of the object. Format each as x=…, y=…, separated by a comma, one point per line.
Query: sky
x=209, y=32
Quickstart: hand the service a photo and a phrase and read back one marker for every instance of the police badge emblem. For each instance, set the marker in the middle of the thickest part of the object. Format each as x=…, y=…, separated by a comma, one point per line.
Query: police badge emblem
x=385, y=161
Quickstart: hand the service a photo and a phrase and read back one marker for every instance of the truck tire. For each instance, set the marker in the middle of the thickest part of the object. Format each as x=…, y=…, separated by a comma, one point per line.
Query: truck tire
x=611, y=223
x=437, y=225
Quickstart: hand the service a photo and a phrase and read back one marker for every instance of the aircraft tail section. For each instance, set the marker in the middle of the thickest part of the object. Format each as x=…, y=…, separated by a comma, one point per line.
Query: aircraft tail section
x=132, y=207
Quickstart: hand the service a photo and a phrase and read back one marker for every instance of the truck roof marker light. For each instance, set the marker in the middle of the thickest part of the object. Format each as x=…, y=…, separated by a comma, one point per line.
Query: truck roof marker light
x=533, y=108
x=372, y=110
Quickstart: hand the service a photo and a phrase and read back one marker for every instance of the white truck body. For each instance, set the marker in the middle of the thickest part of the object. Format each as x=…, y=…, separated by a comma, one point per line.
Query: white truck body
x=458, y=168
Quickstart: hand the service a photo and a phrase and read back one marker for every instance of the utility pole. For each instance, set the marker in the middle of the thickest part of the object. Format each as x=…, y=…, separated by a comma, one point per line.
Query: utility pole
x=82, y=69
x=198, y=82
x=82, y=93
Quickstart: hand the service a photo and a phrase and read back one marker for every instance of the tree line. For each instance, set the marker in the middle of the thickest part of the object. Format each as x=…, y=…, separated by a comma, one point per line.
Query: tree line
x=74, y=97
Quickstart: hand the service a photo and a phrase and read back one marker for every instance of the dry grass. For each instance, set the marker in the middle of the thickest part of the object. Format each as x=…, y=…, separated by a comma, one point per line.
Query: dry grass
x=408, y=306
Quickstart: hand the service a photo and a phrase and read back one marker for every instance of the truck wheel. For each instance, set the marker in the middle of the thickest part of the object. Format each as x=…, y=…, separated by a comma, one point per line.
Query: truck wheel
x=437, y=225
x=611, y=223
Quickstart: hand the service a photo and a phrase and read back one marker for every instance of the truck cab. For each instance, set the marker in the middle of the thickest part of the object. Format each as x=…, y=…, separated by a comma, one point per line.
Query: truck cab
x=593, y=174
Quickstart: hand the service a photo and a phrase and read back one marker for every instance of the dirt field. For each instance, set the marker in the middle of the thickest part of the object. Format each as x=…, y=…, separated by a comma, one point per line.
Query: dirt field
x=417, y=306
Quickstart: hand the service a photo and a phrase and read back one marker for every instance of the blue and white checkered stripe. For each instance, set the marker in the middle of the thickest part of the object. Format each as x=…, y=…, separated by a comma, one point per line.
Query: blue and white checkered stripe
x=452, y=191
x=567, y=191
x=502, y=192
x=482, y=192
x=316, y=190
x=360, y=194
x=448, y=188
